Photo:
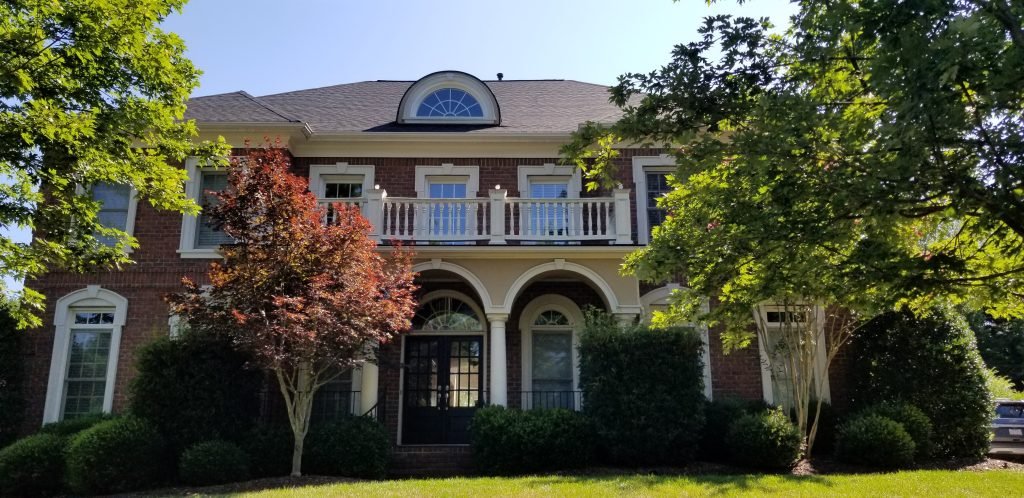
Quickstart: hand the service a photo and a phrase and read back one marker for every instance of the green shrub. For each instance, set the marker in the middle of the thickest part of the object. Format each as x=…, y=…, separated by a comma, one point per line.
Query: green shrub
x=766, y=440
x=875, y=441
x=932, y=363
x=12, y=402
x=1001, y=387
x=33, y=466
x=213, y=462
x=70, y=427
x=515, y=442
x=270, y=450
x=349, y=446
x=195, y=388
x=116, y=455
x=644, y=390
x=913, y=420
x=720, y=414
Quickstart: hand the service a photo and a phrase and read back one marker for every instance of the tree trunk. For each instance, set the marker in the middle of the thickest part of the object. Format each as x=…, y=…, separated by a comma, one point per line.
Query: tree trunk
x=299, y=401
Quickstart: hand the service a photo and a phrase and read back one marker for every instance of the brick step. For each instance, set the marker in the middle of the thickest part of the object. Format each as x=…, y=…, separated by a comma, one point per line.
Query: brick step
x=431, y=461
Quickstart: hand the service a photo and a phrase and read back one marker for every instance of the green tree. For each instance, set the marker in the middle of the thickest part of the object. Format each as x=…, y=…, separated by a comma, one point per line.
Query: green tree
x=867, y=157
x=1001, y=343
x=91, y=91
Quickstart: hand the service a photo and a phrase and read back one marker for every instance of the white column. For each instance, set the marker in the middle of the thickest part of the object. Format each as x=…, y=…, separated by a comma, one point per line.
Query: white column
x=368, y=387
x=626, y=319
x=499, y=361
x=373, y=211
x=498, y=215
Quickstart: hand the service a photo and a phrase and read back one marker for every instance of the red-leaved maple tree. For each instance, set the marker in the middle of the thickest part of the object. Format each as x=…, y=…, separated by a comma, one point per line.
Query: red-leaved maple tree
x=306, y=299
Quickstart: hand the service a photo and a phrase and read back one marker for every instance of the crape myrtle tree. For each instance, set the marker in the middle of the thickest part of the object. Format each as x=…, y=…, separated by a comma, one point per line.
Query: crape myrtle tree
x=91, y=91
x=866, y=158
x=305, y=299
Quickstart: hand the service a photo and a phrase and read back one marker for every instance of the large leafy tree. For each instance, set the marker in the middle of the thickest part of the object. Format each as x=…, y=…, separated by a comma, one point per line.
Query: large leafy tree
x=91, y=91
x=866, y=158
x=306, y=299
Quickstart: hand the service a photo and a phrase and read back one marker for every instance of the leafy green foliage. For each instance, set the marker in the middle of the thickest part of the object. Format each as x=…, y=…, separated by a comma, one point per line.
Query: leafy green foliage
x=875, y=441
x=195, y=388
x=1001, y=343
x=1001, y=387
x=213, y=462
x=719, y=415
x=930, y=362
x=868, y=157
x=765, y=440
x=118, y=455
x=33, y=466
x=84, y=83
x=12, y=402
x=68, y=428
x=517, y=442
x=913, y=420
x=269, y=448
x=349, y=446
x=644, y=390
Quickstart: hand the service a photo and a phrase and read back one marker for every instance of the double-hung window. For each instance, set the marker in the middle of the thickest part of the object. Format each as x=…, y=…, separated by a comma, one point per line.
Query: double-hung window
x=651, y=178
x=657, y=187
x=345, y=189
x=449, y=217
x=549, y=216
x=115, y=208
x=85, y=380
x=209, y=236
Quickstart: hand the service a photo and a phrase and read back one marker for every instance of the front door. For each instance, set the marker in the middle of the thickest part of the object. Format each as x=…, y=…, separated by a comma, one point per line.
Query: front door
x=442, y=389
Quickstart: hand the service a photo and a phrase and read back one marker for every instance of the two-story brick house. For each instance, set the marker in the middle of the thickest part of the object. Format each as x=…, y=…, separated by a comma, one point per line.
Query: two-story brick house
x=509, y=248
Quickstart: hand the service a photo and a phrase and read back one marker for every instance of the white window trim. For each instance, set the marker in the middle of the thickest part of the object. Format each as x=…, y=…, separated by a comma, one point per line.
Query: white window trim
x=537, y=306
x=92, y=296
x=485, y=374
x=422, y=89
x=641, y=166
x=424, y=174
x=530, y=173
x=760, y=317
x=318, y=173
x=189, y=223
x=660, y=296
x=133, y=205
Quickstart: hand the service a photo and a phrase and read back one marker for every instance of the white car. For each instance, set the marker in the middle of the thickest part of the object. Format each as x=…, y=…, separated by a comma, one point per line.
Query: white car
x=1008, y=428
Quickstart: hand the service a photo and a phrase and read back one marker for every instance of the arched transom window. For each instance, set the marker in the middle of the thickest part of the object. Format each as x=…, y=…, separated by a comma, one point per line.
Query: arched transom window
x=551, y=318
x=450, y=102
x=447, y=314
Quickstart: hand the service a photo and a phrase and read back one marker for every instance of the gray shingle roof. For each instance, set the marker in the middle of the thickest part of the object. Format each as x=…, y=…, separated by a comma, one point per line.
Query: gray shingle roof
x=527, y=106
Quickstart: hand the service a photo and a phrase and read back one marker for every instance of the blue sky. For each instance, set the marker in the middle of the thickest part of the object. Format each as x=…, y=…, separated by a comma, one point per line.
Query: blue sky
x=265, y=46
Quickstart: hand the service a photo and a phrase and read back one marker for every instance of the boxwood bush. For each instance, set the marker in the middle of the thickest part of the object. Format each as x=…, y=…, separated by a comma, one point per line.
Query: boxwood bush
x=349, y=446
x=33, y=466
x=931, y=362
x=70, y=427
x=515, y=442
x=765, y=440
x=195, y=388
x=875, y=441
x=118, y=455
x=913, y=420
x=270, y=450
x=213, y=462
x=644, y=390
x=720, y=414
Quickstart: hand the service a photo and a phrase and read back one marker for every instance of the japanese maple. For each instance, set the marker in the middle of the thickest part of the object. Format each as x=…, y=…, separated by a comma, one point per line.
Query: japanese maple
x=308, y=300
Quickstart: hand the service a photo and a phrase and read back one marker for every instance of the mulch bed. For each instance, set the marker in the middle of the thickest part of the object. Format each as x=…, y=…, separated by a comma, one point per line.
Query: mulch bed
x=817, y=466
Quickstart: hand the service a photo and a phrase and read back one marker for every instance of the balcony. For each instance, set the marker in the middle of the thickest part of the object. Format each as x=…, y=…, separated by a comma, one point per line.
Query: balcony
x=497, y=219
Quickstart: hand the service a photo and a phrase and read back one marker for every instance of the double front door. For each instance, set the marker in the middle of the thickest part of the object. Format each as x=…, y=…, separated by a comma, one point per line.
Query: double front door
x=442, y=389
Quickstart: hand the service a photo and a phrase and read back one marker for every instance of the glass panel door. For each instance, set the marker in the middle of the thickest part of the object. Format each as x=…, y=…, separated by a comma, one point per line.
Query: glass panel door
x=443, y=387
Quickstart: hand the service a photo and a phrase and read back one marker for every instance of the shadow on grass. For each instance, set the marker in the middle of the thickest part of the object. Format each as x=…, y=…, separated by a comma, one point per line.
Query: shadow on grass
x=709, y=484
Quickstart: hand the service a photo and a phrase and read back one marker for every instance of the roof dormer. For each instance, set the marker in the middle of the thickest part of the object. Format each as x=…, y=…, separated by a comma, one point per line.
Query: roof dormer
x=449, y=97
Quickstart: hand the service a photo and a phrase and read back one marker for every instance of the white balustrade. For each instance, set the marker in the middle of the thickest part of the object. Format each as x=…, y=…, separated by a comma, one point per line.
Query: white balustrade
x=565, y=220
x=449, y=220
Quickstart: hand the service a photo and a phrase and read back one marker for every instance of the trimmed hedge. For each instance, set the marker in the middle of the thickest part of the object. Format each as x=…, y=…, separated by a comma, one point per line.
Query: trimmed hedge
x=913, y=420
x=118, y=455
x=33, y=466
x=720, y=415
x=349, y=446
x=514, y=441
x=644, y=390
x=766, y=440
x=270, y=450
x=70, y=427
x=931, y=362
x=195, y=388
x=213, y=462
x=875, y=441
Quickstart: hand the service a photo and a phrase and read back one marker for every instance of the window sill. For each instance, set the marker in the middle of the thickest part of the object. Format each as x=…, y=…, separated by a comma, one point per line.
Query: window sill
x=199, y=254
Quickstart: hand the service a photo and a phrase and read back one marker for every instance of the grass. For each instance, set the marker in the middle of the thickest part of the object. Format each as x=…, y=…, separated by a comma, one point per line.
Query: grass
x=916, y=483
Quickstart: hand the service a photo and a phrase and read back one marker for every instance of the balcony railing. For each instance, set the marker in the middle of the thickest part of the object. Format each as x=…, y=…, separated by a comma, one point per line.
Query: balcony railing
x=496, y=219
x=546, y=400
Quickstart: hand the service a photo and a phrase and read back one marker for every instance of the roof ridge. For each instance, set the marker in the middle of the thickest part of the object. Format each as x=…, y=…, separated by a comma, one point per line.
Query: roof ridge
x=268, y=107
x=301, y=90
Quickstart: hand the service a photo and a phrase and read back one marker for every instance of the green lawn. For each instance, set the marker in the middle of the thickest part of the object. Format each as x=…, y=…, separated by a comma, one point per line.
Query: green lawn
x=919, y=483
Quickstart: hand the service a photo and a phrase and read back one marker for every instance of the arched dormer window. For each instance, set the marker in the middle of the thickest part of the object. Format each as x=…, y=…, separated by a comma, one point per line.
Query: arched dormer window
x=449, y=97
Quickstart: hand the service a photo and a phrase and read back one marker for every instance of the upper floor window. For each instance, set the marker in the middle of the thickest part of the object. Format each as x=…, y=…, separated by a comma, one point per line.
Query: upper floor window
x=449, y=97
x=651, y=178
x=209, y=236
x=657, y=187
x=117, y=208
x=450, y=102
